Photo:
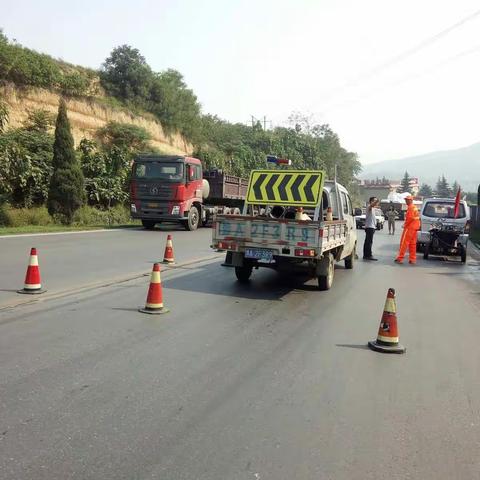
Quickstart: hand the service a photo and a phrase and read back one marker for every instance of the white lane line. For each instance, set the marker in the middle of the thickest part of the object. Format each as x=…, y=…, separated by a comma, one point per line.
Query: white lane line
x=16, y=235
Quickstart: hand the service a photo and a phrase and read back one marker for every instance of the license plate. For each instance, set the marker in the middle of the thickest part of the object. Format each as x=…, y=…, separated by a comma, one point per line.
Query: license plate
x=152, y=205
x=259, y=254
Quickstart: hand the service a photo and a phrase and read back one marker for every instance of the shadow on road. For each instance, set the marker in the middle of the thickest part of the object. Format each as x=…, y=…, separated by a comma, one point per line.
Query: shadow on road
x=265, y=284
x=356, y=346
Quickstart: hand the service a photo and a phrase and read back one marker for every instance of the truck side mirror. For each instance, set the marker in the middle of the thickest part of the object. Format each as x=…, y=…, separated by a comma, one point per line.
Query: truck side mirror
x=191, y=173
x=357, y=212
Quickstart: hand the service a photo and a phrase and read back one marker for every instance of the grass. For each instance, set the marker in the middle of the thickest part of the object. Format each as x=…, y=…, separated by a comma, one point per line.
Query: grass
x=37, y=220
x=60, y=228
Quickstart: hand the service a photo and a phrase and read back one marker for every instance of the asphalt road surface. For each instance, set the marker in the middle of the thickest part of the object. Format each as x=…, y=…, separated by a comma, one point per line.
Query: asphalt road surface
x=270, y=380
x=73, y=260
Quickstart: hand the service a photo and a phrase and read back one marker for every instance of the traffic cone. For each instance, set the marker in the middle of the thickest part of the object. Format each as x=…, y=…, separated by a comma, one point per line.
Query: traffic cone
x=387, y=338
x=33, y=284
x=154, y=304
x=168, y=255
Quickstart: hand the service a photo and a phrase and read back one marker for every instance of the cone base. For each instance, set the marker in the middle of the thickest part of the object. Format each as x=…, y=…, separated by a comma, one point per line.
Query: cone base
x=153, y=311
x=32, y=292
x=169, y=262
x=374, y=345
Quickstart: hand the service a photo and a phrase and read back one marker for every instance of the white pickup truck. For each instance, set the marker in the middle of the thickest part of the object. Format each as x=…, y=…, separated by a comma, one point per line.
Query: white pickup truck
x=269, y=237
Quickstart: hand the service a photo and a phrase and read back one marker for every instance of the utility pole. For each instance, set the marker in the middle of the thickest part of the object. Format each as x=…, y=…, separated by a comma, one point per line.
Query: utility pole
x=264, y=121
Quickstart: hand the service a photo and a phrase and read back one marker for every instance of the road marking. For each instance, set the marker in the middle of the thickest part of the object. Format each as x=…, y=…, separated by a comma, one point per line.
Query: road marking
x=53, y=295
x=16, y=235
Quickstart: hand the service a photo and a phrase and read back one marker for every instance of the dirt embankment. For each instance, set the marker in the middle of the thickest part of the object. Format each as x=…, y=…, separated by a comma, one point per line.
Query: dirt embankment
x=86, y=116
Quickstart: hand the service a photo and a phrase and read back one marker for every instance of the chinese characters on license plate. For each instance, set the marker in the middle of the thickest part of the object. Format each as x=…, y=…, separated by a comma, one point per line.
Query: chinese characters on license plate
x=259, y=254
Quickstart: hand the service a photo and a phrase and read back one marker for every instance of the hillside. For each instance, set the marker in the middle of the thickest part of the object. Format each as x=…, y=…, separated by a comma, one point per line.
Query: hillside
x=462, y=164
x=86, y=116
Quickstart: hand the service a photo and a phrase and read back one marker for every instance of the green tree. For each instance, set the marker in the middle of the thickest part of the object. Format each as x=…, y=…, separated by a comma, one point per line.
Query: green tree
x=175, y=105
x=442, y=188
x=126, y=75
x=26, y=161
x=455, y=187
x=425, y=190
x=106, y=162
x=405, y=184
x=66, y=193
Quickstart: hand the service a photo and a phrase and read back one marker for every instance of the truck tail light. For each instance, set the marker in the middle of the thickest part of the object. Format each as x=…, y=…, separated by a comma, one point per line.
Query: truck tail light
x=299, y=252
x=226, y=246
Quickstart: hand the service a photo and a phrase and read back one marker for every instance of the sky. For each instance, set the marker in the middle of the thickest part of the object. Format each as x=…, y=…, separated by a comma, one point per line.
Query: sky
x=376, y=71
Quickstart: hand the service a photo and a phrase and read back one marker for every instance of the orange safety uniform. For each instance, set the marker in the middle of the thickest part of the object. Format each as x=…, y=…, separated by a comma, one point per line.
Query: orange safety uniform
x=409, y=235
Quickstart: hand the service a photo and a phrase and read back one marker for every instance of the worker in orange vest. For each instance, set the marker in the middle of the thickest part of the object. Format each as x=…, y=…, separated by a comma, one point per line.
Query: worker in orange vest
x=409, y=235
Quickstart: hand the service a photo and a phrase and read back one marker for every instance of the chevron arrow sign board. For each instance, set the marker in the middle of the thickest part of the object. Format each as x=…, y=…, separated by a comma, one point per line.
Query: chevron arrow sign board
x=289, y=187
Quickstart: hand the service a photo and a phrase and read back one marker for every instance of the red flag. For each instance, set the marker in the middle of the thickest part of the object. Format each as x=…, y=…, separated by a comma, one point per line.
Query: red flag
x=457, y=204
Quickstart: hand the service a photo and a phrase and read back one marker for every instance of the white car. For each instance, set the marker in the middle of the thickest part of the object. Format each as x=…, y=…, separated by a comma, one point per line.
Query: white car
x=438, y=213
x=360, y=219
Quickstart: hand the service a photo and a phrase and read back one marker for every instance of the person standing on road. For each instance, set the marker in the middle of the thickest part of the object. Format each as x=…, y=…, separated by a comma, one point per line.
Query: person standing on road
x=370, y=227
x=409, y=235
x=391, y=215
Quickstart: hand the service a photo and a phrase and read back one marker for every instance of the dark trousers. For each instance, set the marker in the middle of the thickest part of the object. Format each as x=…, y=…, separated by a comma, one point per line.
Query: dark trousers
x=367, y=246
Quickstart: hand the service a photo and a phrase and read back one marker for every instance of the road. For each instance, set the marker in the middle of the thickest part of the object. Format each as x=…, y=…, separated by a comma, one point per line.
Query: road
x=267, y=381
x=70, y=261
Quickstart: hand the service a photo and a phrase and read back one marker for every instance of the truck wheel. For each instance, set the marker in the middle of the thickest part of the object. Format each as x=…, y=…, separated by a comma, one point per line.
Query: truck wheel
x=325, y=282
x=349, y=261
x=243, y=273
x=148, y=224
x=463, y=255
x=426, y=251
x=192, y=220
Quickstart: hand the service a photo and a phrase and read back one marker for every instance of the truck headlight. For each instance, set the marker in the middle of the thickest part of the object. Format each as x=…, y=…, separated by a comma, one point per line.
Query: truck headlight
x=133, y=208
x=176, y=210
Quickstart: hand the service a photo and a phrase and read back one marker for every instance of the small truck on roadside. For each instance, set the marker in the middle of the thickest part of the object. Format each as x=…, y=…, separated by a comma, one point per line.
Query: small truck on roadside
x=172, y=188
x=292, y=219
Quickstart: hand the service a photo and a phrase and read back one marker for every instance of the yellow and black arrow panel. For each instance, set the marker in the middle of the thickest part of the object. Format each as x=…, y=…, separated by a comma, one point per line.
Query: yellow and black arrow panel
x=289, y=187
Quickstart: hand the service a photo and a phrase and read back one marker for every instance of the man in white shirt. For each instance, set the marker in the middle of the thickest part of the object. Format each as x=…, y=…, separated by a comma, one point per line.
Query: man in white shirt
x=370, y=227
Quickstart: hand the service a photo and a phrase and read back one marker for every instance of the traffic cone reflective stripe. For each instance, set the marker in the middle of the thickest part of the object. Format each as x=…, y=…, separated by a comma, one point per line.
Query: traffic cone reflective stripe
x=387, y=337
x=154, y=303
x=155, y=297
x=168, y=257
x=33, y=283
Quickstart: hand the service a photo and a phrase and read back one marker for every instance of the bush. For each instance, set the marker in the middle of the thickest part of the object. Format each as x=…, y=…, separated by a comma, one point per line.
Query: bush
x=22, y=217
x=91, y=216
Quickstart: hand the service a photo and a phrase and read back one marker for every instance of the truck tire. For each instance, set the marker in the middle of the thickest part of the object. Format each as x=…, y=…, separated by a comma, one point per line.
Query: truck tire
x=243, y=273
x=325, y=282
x=426, y=251
x=148, y=224
x=350, y=260
x=463, y=255
x=192, y=220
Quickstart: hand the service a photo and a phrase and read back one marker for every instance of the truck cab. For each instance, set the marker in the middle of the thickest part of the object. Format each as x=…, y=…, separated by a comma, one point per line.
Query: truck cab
x=167, y=188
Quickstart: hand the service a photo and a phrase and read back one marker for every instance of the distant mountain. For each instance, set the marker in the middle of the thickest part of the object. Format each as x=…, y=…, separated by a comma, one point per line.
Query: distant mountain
x=462, y=165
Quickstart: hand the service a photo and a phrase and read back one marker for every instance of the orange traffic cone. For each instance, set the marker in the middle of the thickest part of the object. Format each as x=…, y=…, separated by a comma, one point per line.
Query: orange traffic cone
x=387, y=338
x=154, y=304
x=33, y=284
x=168, y=255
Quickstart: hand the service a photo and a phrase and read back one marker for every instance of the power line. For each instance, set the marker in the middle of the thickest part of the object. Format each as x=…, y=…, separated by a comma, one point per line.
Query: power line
x=400, y=81
x=405, y=54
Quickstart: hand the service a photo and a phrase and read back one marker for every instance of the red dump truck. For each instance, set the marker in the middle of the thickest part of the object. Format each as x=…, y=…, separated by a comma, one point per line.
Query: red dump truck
x=166, y=188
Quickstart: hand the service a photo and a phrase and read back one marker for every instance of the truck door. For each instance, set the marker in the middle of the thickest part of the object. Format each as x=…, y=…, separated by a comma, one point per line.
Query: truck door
x=193, y=187
x=350, y=219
